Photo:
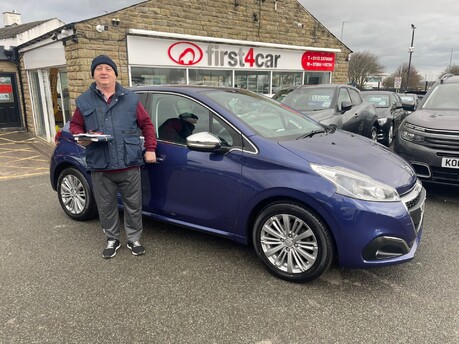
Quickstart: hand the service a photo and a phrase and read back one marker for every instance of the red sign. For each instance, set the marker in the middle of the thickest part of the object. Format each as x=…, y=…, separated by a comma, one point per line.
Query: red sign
x=6, y=89
x=318, y=61
x=185, y=53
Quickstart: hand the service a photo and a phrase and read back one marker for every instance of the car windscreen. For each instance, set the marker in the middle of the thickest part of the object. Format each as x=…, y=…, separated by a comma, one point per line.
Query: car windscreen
x=310, y=99
x=443, y=97
x=265, y=116
x=379, y=100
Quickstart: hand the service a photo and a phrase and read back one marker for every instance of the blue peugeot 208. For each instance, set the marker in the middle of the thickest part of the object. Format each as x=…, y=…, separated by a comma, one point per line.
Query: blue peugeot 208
x=260, y=173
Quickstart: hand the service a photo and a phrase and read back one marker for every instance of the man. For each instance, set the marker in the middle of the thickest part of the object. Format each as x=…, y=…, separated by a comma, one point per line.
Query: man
x=178, y=129
x=110, y=109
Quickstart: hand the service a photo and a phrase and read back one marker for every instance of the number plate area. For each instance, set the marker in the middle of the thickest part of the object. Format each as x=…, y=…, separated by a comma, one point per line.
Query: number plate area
x=450, y=163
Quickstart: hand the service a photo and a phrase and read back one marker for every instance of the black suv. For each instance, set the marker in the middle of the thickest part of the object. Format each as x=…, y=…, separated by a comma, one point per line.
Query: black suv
x=429, y=137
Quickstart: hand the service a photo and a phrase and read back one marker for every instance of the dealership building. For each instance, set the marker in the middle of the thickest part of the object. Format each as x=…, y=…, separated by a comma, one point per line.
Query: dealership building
x=259, y=45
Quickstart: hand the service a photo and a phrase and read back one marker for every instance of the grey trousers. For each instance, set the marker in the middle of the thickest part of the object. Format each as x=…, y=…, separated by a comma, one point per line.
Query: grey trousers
x=128, y=183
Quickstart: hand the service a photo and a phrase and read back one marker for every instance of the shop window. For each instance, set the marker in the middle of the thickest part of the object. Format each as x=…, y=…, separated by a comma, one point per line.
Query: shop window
x=256, y=81
x=283, y=80
x=144, y=76
x=316, y=78
x=208, y=77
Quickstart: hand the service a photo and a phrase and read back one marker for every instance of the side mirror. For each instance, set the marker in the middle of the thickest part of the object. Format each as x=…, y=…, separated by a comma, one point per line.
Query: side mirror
x=203, y=142
x=345, y=106
x=409, y=106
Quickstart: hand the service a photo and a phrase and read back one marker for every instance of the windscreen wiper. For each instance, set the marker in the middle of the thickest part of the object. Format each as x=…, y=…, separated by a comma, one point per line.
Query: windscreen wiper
x=311, y=134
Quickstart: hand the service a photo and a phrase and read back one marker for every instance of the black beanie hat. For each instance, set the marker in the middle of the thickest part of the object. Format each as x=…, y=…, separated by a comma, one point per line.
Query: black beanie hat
x=103, y=59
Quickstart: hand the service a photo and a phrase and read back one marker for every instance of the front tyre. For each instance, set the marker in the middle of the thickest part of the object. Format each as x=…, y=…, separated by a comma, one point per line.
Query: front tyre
x=374, y=134
x=292, y=242
x=389, y=135
x=75, y=195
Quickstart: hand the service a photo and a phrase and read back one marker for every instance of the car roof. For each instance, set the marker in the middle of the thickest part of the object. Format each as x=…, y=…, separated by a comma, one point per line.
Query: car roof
x=377, y=92
x=180, y=88
x=449, y=79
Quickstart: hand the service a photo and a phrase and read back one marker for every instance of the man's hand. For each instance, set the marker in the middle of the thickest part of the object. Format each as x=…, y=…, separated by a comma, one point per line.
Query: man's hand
x=84, y=143
x=150, y=157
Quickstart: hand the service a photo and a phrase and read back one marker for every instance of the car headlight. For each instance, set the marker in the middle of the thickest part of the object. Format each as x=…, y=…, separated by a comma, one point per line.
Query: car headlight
x=357, y=185
x=382, y=121
x=409, y=136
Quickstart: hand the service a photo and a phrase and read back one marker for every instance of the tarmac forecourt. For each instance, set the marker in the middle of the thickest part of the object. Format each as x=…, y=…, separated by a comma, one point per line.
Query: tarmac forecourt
x=23, y=155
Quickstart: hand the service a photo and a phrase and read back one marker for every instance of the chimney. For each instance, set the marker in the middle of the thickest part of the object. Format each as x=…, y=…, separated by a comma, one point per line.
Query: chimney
x=11, y=18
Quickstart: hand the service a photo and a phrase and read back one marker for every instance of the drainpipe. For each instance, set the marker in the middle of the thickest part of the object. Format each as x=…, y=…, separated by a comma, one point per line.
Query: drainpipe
x=21, y=85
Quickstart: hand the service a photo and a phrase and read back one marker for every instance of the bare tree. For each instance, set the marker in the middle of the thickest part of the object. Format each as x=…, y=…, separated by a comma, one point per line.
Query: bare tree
x=453, y=69
x=361, y=66
x=402, y=71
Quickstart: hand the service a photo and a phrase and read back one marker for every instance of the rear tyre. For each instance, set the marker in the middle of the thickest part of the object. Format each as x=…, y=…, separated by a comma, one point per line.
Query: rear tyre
x=75, y=195
x=292, y=242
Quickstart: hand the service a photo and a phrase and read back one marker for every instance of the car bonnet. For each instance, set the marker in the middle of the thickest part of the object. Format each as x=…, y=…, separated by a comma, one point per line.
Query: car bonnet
x=435, y=119
x=356, y=153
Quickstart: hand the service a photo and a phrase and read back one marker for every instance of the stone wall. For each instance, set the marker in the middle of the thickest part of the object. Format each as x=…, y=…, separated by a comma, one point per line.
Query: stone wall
x=276, y=24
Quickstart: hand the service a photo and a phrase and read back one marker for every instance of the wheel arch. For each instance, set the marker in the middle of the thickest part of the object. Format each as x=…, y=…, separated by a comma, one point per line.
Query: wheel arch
x=258, y=208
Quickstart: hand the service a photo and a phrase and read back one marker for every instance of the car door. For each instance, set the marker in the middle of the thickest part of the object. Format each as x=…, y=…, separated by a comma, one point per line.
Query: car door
x=192, y=187
x=351, y=119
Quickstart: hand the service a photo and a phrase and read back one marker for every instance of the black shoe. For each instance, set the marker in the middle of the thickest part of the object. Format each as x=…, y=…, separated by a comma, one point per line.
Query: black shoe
x=136, y=248
x=112, y=247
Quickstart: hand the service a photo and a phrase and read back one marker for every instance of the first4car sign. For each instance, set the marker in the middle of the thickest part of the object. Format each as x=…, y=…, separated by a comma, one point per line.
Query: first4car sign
x=166, y=52
x=450, y=162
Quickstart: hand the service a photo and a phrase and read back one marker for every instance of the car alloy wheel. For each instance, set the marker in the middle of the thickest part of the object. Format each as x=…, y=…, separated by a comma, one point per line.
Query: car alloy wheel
x=292, y=242
x=75, y=195
x=374, y=134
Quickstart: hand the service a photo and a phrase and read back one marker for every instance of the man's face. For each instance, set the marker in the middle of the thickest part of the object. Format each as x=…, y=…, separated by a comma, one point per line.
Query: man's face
x=104, y=75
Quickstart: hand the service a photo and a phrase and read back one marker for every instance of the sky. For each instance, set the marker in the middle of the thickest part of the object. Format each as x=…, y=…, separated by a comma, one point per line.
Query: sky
x=382, y=27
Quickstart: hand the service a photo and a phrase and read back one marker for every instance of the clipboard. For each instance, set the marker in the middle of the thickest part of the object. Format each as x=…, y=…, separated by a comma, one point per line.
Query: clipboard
x=93, y=137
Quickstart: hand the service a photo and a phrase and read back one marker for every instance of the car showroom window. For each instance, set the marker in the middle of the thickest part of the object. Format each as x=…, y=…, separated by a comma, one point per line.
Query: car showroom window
x=355, y=96
x=144, y=76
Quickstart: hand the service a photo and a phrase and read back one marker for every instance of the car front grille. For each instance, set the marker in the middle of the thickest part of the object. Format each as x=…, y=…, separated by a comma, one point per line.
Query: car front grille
x=444, y=140
x=414, y=201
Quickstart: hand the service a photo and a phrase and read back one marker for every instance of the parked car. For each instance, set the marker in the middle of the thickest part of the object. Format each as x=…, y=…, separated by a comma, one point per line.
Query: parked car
x=340, y=106
x=411, y=99
x=390, y=112
x=261, y=173
x=429, y=137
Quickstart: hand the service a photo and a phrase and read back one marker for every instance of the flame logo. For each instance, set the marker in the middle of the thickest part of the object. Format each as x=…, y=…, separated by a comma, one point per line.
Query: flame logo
x=185, y=53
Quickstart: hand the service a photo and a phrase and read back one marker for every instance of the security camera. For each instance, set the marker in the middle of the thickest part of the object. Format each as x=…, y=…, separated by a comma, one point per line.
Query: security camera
x=54, y=36
x=115, y=22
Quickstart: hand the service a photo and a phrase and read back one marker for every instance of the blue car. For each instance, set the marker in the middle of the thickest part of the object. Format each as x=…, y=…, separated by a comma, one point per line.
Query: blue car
x=260, y=173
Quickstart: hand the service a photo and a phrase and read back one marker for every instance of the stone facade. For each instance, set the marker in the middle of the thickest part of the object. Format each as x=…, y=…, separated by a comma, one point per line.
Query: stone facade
x=269, y=21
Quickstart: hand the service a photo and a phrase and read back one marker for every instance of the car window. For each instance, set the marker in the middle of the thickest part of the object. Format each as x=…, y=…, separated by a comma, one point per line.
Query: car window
x=379, y=100
x=443, y=96
x=343, y=97
x=355, y=96
x=310, y=98
x=176, y=117
x=264, y=116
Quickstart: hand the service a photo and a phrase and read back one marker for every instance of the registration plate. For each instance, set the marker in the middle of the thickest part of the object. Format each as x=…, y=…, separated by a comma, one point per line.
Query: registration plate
x=450, y=162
